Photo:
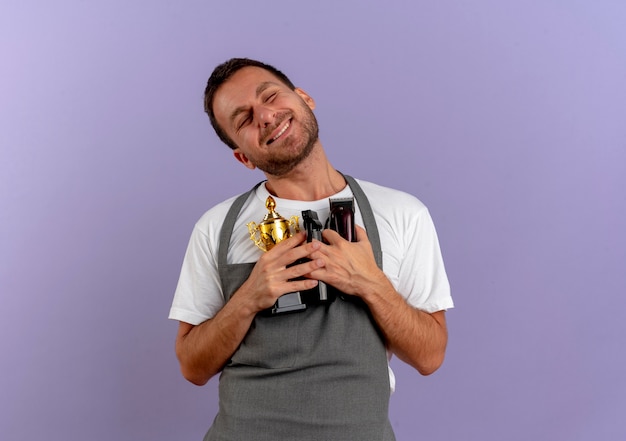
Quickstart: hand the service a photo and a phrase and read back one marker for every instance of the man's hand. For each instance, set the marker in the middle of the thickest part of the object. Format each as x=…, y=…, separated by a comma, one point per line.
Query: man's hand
x=203, y=350
x=272, y=276
x=349, y=266
x=415, y=336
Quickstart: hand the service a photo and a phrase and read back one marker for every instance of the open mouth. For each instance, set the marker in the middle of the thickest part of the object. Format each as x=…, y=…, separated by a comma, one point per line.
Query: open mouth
x=282, y=130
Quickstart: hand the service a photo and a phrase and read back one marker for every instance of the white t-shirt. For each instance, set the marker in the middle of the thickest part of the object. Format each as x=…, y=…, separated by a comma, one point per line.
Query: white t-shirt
x=411, y=255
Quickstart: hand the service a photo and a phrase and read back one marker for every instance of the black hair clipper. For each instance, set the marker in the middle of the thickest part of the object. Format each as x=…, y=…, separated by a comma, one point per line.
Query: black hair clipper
x=341, y=218
x=313, y=228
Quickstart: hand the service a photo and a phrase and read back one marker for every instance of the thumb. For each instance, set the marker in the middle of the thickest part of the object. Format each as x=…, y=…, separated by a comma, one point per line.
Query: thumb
x=331, y=236
x=361, y=234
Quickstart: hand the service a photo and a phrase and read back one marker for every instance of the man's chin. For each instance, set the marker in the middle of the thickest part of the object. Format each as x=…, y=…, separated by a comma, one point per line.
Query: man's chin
x=278, y=170
x=282, y=168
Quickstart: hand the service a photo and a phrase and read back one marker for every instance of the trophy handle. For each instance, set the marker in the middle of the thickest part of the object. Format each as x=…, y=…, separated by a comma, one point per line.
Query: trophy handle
x=293, y=223
x=255, y=235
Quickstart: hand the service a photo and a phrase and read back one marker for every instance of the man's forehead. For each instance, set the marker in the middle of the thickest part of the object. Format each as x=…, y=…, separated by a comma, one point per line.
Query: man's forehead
x=252, y=77
x=245, y=84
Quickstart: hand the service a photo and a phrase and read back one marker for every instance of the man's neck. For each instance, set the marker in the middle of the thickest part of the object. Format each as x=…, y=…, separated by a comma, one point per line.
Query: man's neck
x=312, y=180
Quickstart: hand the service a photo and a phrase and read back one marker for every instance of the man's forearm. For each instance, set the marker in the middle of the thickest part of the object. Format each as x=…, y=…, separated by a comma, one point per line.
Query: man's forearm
x=203, y=350
x=416, y=337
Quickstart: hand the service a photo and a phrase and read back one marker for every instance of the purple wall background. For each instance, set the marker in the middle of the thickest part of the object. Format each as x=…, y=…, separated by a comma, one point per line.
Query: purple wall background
x=506, y=118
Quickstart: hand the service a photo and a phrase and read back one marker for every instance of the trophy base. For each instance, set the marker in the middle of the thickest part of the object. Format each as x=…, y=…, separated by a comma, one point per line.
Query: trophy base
x=291, y=302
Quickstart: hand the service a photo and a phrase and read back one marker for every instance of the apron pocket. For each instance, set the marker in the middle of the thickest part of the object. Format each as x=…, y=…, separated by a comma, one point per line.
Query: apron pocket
x=271, y=342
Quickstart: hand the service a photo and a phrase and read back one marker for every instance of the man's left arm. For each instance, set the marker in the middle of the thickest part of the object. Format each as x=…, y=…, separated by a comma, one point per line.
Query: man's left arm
x=416, y=337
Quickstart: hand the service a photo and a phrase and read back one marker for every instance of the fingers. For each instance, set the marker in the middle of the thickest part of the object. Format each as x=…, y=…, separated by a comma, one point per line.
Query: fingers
x=361, y=234
x=333, y=238
x=290, y=242
x=277, y=272
x=304, y=268
x=287, y=251
x=347, y=265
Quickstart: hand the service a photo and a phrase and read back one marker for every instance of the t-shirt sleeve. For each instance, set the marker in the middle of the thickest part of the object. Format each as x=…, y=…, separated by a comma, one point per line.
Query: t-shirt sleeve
x=198, y=295
x=422, y=276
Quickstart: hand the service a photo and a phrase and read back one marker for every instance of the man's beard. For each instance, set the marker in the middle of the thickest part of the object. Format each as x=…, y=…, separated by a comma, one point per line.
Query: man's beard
x=284, y=159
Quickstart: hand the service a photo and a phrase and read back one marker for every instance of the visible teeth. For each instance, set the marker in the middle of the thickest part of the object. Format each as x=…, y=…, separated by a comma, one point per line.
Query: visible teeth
x=282, y=131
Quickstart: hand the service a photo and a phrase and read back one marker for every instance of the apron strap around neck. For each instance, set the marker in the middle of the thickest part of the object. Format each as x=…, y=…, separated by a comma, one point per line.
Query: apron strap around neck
x=229, y=224
x=364, y=206
x=368, y=219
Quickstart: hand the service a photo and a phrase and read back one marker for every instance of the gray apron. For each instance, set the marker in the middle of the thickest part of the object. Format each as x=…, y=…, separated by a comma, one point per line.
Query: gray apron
x=316, y=375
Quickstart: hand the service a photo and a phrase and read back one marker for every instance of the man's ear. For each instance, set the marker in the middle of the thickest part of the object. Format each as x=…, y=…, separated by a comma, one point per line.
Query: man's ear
x=243, y=159
x=305, y=97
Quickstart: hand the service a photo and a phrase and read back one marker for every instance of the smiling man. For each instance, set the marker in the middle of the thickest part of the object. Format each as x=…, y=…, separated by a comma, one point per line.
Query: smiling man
x=321, y=373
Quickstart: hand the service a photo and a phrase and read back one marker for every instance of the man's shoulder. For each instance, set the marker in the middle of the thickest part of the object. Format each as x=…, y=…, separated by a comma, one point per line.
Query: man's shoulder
x=217, y=213
x=387, y=196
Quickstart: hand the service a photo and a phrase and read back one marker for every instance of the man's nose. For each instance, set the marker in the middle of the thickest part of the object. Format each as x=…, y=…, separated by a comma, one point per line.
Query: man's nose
x=265, y=115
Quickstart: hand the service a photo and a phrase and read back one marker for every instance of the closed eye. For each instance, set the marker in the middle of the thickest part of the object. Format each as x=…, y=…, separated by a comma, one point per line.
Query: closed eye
x=244, y=121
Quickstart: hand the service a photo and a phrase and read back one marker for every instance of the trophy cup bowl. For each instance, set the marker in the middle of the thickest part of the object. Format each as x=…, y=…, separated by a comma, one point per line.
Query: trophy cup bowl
x=273, y=228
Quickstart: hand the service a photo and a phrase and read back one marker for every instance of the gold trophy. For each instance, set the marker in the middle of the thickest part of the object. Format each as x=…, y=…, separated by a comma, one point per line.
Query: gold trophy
x=273, y=228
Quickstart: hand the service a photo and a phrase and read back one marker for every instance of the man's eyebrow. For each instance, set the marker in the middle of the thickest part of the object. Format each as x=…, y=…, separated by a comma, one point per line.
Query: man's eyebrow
x=259, y=90
x=264, y=85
